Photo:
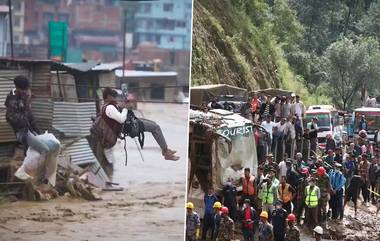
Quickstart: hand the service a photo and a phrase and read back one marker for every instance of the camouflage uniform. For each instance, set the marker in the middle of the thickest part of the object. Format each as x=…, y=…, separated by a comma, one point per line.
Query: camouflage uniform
x=192, y=224
x=324, y=185
x=293, y=234
x=226, y=229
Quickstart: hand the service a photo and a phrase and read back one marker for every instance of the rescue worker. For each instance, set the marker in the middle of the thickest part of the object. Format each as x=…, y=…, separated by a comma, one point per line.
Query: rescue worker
x=265, y=228
x=249, y=220
x=268, y=195
x=193, y=223
x=208, y=219
x=318, y=232
x=285, y=194
x=323, y=182
x=337, y=181
x=300, y=198
x=226, y=227
x=248, y=184
x=312, y=195
x=292, y=233
x=217, y=217
x=279, y=216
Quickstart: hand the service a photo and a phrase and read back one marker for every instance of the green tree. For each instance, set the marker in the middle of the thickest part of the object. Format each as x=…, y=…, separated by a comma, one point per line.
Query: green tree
x=351, y=65
x=370, y=24
x=286, y=26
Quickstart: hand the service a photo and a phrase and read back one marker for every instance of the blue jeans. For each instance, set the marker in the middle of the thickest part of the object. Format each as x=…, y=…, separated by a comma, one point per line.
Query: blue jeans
x=248, y=234
x=337, y=204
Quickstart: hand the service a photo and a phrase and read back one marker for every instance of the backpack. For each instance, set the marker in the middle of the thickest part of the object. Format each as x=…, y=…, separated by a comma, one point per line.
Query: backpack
x=134, y=127
x=102, y=132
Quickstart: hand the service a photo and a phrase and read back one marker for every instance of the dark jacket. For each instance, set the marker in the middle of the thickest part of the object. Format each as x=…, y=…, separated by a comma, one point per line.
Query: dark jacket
x=20, y=116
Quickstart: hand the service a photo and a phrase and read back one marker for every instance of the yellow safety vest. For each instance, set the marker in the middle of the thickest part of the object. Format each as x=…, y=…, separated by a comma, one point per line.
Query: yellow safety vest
x=311, y=197
x=267, y=195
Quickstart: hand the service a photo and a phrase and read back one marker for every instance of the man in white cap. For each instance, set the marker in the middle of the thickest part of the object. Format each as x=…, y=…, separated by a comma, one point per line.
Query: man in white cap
x=318, y=232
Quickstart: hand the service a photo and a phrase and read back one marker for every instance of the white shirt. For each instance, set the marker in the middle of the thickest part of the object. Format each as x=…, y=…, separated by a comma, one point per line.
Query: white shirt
x=282, y=167
x=268, y=126
x=291, y=130
x=281, y=128
x=114, y=114
x=298, y=108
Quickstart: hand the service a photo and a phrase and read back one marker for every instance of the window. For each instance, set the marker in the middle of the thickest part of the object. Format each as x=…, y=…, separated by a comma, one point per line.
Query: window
x=181, y=24
x=47, y=17
x=166, y=24
x=149, y=24
x=168, y=7
x=147, y=7
x=158, y=39
x=157, y=92
x=172, y=57
x=17, y=21
x=171, y=39
x=64, y=18
x=17, y=6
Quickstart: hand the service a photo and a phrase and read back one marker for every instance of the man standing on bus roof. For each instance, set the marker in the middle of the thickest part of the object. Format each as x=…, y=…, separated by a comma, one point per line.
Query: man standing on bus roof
x=363, y=124
x=313, y=133
x=298, y=108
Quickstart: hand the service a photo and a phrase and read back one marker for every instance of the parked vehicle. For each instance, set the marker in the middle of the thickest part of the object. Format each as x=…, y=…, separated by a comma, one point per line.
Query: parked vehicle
x=372, y=115
x=328, y=120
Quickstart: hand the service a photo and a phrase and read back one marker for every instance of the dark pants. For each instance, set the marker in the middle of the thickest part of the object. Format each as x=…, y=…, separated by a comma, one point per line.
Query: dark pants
x=337, y=204
x=313, y=146
x=208, y=224
x=365, y=191
x=300, y=206
x=152, y=127
x=248, y=234
x=279, y=234
x=311, y=216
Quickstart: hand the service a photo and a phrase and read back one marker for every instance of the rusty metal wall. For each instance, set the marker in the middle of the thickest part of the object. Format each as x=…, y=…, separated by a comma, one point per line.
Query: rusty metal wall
x=79, y=151
x=73, y=119
x=43, y=113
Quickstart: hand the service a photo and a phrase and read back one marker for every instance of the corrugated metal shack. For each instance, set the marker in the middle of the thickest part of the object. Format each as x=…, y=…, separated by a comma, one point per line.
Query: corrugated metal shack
x=64, y=100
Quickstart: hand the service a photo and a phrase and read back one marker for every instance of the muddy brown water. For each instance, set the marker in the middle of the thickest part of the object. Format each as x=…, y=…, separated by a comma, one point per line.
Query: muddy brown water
x=151, y=207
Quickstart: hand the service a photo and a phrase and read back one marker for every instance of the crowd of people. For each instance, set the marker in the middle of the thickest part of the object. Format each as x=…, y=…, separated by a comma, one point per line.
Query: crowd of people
x=291, y=187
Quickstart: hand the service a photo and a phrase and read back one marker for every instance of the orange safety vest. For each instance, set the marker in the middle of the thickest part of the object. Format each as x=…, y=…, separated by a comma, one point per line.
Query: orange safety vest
x=248, y=188
x=285, y=194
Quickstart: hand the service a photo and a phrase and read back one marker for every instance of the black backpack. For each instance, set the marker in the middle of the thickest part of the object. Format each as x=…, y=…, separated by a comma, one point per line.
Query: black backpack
x=133, y=127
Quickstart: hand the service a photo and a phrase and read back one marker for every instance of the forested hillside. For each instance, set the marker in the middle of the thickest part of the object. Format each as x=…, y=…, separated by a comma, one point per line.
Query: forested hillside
x=328, y=48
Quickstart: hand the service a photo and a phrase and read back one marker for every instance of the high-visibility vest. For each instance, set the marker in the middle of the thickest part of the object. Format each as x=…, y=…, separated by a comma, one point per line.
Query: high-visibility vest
x=267, y=195
x=311, y=197
x=285, y=194
x=248, y=188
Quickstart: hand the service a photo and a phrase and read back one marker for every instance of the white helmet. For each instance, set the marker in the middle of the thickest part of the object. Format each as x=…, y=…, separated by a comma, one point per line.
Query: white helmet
x=318, y=230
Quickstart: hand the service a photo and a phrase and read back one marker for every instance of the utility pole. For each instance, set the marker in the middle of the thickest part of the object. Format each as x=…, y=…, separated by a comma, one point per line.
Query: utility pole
x=11, y=26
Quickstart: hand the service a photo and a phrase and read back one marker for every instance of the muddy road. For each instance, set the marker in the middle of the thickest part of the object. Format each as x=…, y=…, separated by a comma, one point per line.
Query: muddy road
x=149, y=208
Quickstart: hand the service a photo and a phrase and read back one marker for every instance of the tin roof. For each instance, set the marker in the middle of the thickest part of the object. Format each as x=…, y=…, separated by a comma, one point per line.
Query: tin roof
x=136, y=73
x=85, y=67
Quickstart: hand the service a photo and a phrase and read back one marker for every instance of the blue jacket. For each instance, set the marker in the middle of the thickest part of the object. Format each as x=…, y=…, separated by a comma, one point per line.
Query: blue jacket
x=337, y=180
x=209, y=204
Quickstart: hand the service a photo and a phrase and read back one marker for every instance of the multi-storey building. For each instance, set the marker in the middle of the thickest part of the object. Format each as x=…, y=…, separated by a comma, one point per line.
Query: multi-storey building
x=166, y=23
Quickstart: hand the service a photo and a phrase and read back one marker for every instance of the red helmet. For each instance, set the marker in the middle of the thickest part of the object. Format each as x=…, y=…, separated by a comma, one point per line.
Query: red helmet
x=224, y=210
x=321, y=171
x=291, y=217
x=305, y=170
